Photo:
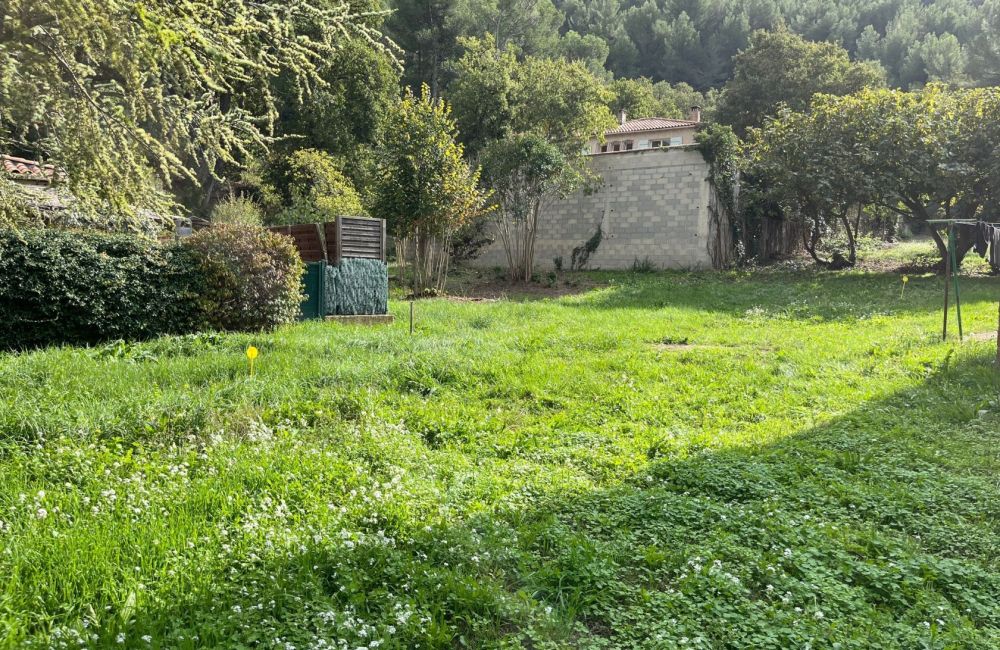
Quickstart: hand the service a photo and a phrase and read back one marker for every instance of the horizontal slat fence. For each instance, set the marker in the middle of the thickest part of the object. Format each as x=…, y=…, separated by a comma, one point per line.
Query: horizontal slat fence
x=346, y=237
x=307, y=240
x=355, y=237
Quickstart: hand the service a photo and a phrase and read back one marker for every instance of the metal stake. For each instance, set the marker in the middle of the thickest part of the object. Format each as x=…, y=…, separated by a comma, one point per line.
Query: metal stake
x=952, y=245
x=947, y=282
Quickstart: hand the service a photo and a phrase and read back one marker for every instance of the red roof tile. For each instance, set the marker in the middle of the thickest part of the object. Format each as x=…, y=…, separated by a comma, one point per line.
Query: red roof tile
x=651, y=124
x=24, y=169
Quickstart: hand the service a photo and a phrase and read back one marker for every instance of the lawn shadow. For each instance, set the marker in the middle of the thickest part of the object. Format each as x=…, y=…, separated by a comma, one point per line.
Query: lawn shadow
x=818, y=296
x=857, y=531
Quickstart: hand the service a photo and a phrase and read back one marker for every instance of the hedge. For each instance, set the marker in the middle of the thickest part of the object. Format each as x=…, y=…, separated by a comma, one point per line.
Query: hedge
x=83, y=287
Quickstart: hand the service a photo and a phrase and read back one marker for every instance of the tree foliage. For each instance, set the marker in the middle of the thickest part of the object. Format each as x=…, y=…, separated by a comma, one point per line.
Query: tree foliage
x=312, y=188
x=129, y=98
x=523, y=171
x=424, y=190
x=781, y=68
x=924, y=155
x=694, y=41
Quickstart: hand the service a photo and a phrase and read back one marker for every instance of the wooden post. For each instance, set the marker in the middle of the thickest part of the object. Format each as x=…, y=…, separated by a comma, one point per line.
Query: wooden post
x=411, y=318
x=998, y=335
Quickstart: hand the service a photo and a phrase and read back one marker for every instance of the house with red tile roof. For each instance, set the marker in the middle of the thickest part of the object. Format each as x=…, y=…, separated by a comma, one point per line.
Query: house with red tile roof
x=29, y=172
x=648, y=133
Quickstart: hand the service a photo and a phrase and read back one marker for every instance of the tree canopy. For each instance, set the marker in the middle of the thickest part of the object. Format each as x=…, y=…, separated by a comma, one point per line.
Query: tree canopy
x=924, y=155
x=781, y=68
x=129, y=98
x=694, y=41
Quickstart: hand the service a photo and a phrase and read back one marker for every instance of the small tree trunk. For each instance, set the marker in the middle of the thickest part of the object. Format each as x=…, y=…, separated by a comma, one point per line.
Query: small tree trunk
x=811, y=242
x=852, y=248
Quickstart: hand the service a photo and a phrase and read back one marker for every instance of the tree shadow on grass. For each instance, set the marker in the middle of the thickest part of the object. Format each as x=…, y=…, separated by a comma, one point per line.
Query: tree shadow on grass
x=798, y=296
x=880, y=528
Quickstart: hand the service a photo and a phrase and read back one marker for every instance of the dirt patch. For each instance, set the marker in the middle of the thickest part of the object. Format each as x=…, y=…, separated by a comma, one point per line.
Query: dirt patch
x=680, y=347
x=476, y=285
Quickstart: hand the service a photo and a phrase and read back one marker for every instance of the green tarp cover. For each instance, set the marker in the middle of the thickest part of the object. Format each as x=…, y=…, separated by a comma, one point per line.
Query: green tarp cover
x=357, y=286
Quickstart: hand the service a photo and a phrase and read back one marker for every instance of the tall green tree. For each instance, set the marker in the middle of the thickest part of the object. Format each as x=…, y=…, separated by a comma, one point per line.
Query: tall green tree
x=129, y=98
x=781, y=68
x=482, y=94
x=425, y=190
x=817, y=175
x=524, y=171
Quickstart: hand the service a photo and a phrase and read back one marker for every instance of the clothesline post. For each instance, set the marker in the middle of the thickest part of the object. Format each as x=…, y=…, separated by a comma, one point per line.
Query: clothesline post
x=953, y=260
x=947, y=283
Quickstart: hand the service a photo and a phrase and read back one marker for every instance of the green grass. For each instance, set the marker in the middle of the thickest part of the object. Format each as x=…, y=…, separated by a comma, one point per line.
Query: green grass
x=668, y=461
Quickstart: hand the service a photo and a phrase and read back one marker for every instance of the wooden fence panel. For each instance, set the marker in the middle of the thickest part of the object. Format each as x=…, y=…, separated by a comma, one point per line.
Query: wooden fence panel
x=345, y=237
x=355, y=237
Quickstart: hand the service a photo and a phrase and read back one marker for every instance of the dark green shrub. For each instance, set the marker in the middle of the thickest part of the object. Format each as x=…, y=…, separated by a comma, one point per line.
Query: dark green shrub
x=60, y=286
x=253, y=277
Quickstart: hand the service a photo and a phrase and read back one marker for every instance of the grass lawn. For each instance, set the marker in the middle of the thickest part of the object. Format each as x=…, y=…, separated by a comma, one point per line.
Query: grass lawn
x=674, y=460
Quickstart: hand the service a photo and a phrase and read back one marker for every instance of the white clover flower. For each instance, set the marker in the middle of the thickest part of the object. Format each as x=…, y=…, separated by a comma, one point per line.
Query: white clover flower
x=818, y=615
x=120, y=638
x=41, y=513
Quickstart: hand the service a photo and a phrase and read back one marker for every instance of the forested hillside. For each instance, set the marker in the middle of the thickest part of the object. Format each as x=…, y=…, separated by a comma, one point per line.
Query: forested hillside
x=693, y=41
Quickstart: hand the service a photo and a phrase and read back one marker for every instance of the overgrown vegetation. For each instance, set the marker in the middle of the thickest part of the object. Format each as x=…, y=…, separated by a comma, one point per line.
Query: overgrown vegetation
x=672, y=460
x=920, y=155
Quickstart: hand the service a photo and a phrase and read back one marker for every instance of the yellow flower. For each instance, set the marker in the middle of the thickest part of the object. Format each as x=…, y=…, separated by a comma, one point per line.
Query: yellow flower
x=251, y=355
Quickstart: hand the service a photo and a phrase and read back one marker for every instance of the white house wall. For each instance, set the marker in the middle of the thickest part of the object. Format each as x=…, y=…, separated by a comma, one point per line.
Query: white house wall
x=653, y=205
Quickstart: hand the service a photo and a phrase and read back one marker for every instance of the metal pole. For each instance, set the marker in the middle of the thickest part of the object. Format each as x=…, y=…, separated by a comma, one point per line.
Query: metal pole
x=947, y=281
x=952, y=245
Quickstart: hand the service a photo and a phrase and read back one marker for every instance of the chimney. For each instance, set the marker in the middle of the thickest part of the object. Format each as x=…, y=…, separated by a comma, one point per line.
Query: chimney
x=622, y=117
x=695, y=114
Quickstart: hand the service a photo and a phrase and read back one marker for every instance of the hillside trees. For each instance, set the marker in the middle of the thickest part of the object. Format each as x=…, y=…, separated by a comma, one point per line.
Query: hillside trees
x=131, y=98
x=694, y=41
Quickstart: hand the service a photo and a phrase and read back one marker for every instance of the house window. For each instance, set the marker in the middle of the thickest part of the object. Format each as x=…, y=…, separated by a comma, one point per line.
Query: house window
x=617, y=146
x=676, y=140
x=604, y=148
x=628, y=145
x=656, y=143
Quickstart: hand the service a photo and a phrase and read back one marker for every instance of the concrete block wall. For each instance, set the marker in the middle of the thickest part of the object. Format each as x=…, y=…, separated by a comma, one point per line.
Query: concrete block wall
x=653, y=203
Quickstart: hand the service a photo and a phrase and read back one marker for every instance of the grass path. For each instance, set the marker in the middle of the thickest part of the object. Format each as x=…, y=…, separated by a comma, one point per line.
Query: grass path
x=674, y=460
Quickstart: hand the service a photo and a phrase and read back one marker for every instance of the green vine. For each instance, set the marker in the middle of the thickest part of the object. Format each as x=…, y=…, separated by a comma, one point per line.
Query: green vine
x=723, y=152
